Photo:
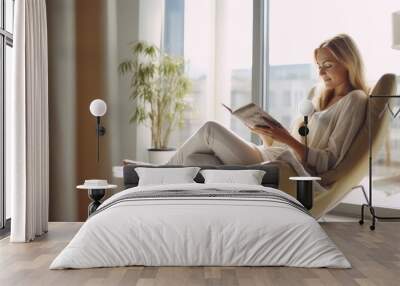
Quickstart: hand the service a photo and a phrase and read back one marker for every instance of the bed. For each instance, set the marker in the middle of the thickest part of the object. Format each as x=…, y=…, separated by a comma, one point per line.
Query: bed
x=201, y=224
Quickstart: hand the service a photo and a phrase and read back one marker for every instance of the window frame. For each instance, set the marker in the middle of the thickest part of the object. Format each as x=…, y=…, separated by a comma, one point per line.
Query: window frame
x=345, y=209
x=260, y=69
x=257, y=74
x=6, y=39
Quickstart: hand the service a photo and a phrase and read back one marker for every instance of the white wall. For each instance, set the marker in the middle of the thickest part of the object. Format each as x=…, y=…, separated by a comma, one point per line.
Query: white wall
x=150, y=30
x=122, y=26
x=121, y=29
x=126, y=22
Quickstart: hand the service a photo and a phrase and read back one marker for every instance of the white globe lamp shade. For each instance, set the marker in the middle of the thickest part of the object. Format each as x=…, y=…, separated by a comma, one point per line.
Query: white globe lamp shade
x=306, y=107
x=98, y=107
x=396, y=30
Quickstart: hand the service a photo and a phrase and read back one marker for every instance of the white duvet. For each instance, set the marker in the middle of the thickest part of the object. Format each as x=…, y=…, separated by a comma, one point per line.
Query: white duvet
x=200, y=231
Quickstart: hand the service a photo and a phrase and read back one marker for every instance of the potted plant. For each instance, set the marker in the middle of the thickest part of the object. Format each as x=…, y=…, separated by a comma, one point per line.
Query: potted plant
x=158, y=87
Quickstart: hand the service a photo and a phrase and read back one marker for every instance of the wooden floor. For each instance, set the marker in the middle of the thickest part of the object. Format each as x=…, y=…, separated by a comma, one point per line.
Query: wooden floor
x=375, y=257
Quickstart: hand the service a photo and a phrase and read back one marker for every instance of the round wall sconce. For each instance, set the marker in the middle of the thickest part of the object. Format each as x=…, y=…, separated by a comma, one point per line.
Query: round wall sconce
x=98, y=108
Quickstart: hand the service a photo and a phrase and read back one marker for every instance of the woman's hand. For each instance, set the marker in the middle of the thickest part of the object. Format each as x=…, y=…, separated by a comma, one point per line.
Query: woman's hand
x=266, y=140
x=277, y=133
x=282, y=135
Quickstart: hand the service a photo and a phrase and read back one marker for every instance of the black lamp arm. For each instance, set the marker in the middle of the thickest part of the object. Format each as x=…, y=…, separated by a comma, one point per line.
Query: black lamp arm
x=100, y=130
x=303, y=131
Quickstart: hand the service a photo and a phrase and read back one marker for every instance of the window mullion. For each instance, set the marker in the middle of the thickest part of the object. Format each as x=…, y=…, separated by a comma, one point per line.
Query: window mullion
x=2, y=75
x=260, y=55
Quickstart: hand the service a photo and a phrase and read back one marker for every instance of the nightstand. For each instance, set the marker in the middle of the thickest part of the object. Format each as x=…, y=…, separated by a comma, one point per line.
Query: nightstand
x=96, y=193
x=304, y=190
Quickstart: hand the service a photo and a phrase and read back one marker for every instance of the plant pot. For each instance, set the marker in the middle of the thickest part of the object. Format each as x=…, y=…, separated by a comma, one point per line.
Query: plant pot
x=160, y=156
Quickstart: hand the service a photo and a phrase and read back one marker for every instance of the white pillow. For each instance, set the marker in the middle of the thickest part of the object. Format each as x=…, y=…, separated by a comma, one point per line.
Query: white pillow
x=248, y=177
x=163, y=176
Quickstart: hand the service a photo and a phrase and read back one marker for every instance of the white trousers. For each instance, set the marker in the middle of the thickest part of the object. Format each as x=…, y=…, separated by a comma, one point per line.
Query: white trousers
x=213, y=138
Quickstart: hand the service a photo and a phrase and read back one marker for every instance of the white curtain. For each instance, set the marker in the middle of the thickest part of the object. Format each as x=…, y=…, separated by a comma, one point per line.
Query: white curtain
x=28, y=152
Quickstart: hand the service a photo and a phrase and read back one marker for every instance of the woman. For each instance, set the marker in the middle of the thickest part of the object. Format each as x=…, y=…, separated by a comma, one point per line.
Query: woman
x=339, y=112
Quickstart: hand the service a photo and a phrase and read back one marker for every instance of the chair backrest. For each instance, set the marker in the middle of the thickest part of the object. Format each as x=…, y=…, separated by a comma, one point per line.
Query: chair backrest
x=354, y=166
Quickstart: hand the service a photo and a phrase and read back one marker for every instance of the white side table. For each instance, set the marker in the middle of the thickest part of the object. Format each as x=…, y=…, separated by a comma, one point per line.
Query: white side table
x=96, y=193
x=304, y=190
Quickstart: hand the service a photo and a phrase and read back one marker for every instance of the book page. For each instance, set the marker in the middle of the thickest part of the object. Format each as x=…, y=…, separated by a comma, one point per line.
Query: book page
x=253, y=115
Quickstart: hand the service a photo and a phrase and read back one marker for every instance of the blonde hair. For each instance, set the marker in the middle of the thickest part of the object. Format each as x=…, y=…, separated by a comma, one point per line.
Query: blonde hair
x=345, y=50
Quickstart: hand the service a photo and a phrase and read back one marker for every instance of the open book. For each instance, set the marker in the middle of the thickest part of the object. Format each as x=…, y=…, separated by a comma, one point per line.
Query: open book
x=252, y=115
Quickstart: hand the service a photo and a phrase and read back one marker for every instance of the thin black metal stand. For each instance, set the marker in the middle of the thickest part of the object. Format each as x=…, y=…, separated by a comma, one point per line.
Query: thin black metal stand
x=95, y=195
x=100, y=131
x=305, y=193
x=369, y=199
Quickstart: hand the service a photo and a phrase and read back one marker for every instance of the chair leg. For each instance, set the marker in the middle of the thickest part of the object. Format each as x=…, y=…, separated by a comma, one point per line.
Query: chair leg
x=361, y=221
x=371, y=210
x=364, y=192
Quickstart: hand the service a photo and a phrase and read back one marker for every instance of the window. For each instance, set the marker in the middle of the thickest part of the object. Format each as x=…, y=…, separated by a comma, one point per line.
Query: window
x=215, y=39
x=7, y=62
x=294, y=34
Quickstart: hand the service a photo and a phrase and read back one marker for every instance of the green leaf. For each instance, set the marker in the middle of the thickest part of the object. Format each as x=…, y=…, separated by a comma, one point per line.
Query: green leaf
x=158, y=88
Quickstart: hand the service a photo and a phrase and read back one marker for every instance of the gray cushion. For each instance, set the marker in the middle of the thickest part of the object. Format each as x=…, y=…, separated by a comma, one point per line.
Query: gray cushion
x=202, y=159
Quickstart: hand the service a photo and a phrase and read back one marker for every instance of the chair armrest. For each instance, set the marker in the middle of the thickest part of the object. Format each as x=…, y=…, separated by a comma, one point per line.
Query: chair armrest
x=285, y=172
